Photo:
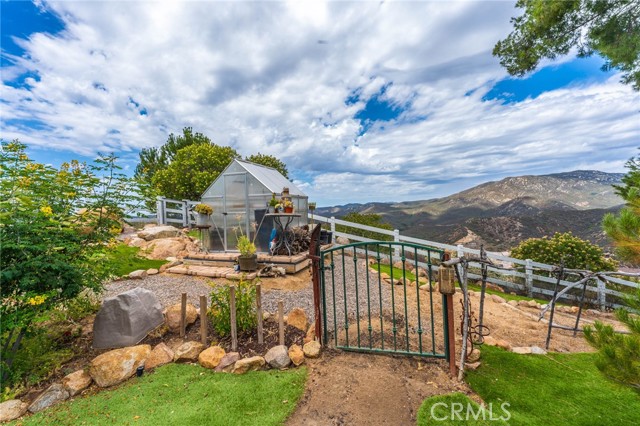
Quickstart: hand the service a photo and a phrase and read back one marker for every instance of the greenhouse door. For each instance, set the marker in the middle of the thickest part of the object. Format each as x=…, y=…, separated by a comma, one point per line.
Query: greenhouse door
x=235, y=208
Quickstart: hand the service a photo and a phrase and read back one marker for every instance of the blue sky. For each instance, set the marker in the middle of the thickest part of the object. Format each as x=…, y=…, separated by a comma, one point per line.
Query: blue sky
x=366, y=101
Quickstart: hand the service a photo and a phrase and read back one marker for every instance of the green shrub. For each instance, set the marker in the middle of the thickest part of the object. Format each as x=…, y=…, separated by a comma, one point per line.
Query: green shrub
x=220, y=312
x=576, y=253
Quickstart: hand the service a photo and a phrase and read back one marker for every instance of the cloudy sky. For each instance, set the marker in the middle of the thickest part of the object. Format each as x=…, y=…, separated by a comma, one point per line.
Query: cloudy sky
x=364, y=101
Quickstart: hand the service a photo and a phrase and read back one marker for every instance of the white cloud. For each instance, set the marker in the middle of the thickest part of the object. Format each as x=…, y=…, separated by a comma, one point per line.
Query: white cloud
x=274, y=77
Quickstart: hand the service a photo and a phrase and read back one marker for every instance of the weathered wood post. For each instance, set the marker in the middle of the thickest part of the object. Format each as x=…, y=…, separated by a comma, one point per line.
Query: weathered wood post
x=185, y=213
x=447, y=287
x=183, y=315
x=602, y=295
x=281, y=322
x=259, y=313
x=232, y=309
x=203, y=319
x=314, y=255
x=529, y=277
x=332, y=223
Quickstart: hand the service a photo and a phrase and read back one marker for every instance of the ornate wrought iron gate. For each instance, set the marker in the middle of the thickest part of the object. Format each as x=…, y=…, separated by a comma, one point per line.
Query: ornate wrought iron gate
x=381, y=297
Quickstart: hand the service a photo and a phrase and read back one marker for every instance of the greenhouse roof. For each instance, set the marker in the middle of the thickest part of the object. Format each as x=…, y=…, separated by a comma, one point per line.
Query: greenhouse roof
x=270, y=178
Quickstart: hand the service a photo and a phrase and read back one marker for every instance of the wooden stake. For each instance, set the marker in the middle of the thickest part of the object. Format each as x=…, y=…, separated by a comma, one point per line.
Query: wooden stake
x=452, y=336
x=232, y=308
x=183, y=316
x=203, y=319
x=281, y=321
x=259, y=313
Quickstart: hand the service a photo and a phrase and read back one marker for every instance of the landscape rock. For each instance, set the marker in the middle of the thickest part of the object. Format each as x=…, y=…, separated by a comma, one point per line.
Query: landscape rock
x=278, y=357
x=536, y=350
x=398, y=264
x=498, y=299
x=513, y=302
x=118, y=365
x=211, y=357
x=384, y=276
x=312, y=349
x=521, y=350
x=227, y=362
x=76, y=382
x=173, y=312
x=492, y=341
x=422, y=272
x=54, y=394
x=162, y=248
x=124, y=320
x=532, y=303
x=574, y=309
x=160, y=355
x=472, y=365
x=171, y=264
x=494, y=287
x=138, y=275
x=311, y=334
x=188, y=352
x=523, y=303
x=296, y=354
x=248, y=364
x=12, y=409
x=474, y=355
x=343, y=241
x=152, y=271
x=136, y=242
x=156, y=232
x=298, y=318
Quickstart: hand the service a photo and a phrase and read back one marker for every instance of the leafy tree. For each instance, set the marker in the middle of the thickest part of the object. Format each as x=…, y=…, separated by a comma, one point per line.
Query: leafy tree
x=576, y=253
x=269, y=161
x=624, y=229
x=619, y=354
x=549, y=28
x=369, y=219
x=155, y=159
x=192, y=170
x=54, y=224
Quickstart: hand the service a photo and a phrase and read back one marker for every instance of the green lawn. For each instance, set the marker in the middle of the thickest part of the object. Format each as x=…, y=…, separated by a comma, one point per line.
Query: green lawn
x=182, y=394
x=556, y=389
x=123, y=260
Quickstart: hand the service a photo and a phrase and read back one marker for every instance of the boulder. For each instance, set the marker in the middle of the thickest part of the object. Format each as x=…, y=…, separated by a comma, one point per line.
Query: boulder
x=118, y=365
x=311, y=334
x=138, y=275
x=136, y=242
x=311, y=349
x=472, y=365
x=536, y=350
x=532, y=303
x=521, y=350
x=498, y=299
x=156, y=232
x=296, y=355
x=173, y=313
x=248, y=364
x=494, y=287
x=160, y=355
x=165, y=247
x=513, y=302
x=399, y=264
x=523, y=303
x=188, y=352
x=227, y=362
x=12, y=409
x=54, y=394
x=474, y=355
x=211, y=357
x=126, y=319
x=574, y=309
x=343, y=241
x=278, y=357
x=152, y=271
x=298, y=318
x=171, y=264
x=76, y=382
x=422, y=272
x=385, y=276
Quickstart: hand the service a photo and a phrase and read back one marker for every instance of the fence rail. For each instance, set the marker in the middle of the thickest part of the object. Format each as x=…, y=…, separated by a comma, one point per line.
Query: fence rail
x=528, y=277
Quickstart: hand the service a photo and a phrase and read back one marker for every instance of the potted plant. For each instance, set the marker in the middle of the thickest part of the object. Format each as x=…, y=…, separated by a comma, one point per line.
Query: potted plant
x=203, y=212
x=273, y=202
x=277, y=208
x=288, y=206
x=248, y=259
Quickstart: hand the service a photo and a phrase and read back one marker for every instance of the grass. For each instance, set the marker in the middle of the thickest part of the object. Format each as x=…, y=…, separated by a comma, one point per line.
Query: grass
x=123, y=260
x=555, y=389
x=182, y=394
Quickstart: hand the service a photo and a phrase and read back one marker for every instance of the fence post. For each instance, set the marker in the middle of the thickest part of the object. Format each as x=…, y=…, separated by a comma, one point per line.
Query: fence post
x=460, y=250
x=602, y=296
x=185, y=213
x=232, y=309
x=160, y=211
x=396, y=238
x=529, y=277
x=183, y=315
x=203, y=320
x=332, y=222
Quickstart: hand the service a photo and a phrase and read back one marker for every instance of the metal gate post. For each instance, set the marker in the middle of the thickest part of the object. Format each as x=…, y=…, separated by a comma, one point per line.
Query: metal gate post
x=314, y=255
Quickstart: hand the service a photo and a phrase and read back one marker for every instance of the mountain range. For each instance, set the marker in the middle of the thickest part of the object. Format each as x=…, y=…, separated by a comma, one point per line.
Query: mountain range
x=503, y=213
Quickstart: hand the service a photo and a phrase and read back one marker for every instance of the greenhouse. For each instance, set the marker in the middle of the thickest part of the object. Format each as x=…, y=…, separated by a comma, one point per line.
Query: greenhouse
x=240, y=199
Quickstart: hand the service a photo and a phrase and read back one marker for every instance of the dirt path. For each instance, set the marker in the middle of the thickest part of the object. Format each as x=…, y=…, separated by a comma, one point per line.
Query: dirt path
x=358, y=389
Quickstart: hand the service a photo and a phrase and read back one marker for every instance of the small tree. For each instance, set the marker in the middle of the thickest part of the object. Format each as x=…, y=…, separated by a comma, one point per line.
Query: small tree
x=269, y=161
x=575, y=252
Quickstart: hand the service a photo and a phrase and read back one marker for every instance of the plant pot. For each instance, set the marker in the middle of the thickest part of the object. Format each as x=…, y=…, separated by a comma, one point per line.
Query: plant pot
x=288, y=210
x=271, y=209
x=202, y=220
x=325, y=237
x=248, y=263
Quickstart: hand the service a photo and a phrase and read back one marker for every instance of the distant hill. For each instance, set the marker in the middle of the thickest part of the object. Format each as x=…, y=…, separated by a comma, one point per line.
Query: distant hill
x=503, y=213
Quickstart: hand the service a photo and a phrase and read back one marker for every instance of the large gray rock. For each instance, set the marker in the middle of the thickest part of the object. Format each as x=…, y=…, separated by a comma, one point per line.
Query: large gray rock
x=159, y=232
x=12, y=409
x=278, y=357
x=126, y=319
x=54, y=394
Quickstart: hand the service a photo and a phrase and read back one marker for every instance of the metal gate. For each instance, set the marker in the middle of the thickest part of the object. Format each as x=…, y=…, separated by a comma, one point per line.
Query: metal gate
x=381, y=297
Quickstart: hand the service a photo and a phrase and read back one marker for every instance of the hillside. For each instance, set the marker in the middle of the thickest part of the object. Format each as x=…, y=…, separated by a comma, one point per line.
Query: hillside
x=501, y=214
